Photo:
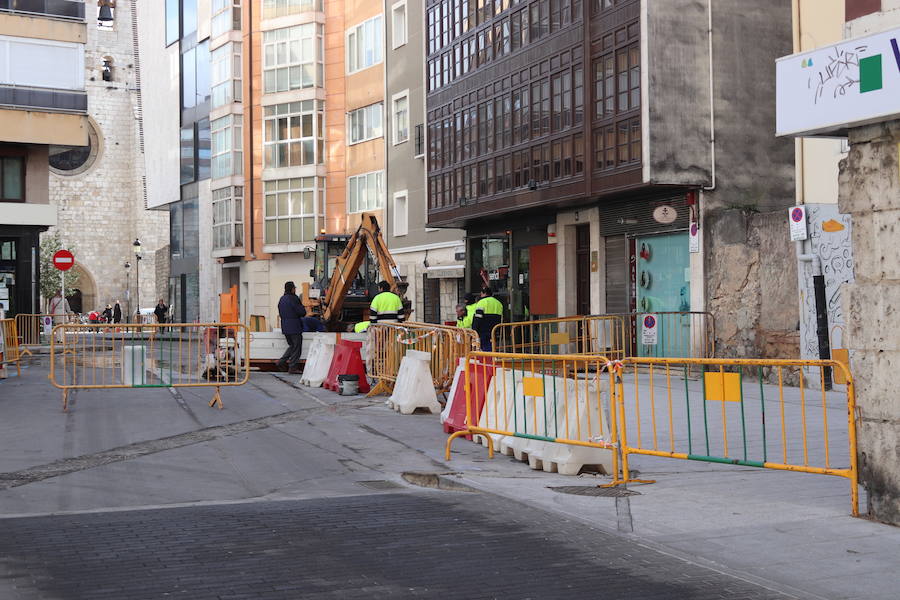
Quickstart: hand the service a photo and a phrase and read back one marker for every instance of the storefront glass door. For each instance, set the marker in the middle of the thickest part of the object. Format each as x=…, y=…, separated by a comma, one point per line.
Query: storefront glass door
x=663, y=285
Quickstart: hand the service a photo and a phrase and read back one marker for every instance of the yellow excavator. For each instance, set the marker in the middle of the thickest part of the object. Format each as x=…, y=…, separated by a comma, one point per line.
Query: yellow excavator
x=356, y=264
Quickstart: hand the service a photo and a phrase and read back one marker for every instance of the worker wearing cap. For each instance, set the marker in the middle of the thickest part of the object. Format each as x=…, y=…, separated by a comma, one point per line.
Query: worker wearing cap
x=387, y=307
x=488, y=314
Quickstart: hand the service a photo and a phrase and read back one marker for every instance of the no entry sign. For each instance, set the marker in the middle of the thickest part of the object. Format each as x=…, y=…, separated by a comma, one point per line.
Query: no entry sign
x=63, y=260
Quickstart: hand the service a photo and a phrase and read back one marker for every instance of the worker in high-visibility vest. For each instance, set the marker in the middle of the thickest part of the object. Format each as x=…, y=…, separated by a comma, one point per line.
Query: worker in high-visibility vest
x=361, y=327
x=387, y=307
x=465, y=313
x=488, y=314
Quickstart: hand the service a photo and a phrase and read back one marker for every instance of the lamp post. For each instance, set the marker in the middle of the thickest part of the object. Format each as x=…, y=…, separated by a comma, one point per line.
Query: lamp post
x=137, y=275
x=127, y=289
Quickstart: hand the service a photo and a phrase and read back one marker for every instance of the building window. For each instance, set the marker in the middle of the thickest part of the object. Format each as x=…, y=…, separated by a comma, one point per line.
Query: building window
x=228, y=218
x=173, y=21
x=400, y=119
x=398, y=24
x=293, y=58
x=281, y=8
x=294, y=134
x=366, y=123
x=420, y=141
x=12, y=179
x=226, y=74
x=227, y=136
x=195, y=76
x=364, y=45
x=187, y=154
x=401, y=213
x=226, y=16
x=290, y=209
x=365, y=192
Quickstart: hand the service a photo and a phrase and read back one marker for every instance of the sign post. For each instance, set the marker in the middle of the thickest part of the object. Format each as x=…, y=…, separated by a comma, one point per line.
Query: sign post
x=649, y=330
x=63, y=260
x=797, y=219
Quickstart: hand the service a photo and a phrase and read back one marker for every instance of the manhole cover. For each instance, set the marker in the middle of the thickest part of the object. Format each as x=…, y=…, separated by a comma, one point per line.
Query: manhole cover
x=593, y=490
x=380, y=484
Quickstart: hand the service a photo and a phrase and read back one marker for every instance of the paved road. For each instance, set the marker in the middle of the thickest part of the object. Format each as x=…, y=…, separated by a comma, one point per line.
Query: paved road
x=402, y=544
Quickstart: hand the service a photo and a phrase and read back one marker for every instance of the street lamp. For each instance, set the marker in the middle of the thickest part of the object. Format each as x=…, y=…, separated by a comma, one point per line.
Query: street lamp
x=137, y=275
x=127, y=289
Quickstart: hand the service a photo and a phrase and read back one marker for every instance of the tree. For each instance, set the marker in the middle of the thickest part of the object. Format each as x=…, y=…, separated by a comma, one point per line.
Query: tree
x=49, y=275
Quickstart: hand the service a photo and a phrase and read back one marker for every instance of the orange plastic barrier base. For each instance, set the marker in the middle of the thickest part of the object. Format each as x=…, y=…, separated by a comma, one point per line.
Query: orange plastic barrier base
x=347, y=361
x=480, y=375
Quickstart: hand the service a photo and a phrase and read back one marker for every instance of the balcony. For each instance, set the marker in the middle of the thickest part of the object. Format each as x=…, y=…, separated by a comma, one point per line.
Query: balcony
x=42, y=99
x=71, y=10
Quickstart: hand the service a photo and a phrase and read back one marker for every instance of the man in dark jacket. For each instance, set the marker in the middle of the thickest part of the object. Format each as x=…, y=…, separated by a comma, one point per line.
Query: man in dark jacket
x=292, y=312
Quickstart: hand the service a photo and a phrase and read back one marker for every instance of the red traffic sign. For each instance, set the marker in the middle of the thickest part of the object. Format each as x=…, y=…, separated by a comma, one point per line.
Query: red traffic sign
x=63, y=260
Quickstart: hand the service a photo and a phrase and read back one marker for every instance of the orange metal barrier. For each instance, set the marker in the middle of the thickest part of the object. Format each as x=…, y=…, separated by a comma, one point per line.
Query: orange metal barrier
x=542, y=399
x=9, y=345
x=34, y=329
x=728, y=413
x=150, y=356
x=586, y=335
x=689, y=334
x=388, y=343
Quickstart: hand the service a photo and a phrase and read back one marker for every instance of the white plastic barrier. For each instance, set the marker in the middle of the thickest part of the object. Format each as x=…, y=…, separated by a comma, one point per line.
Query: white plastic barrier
x=318, y=360
x=568, y=410
x=134, y=365
x=414, y=387
x=459, y=378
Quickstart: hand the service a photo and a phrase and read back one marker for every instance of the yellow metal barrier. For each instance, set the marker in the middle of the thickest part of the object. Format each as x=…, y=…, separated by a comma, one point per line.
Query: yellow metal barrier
x=542, y=398
x=150, y=356
x=690, y=334
x=34, y=329
x=9, y=344
x=388, y=343
x=585, y=335
x=729, y=413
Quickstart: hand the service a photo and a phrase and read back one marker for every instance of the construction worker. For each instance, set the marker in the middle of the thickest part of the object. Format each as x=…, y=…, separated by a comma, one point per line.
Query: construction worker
x=465, y=318
x=488, y=314
x=361, y=327
x=387, y=307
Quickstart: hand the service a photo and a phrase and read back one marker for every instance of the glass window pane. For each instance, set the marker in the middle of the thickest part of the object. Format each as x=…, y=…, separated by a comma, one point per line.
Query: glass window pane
x=12, y=179
x=283, y=204
x=296, y=230
x=283, y=230
x=271, y=237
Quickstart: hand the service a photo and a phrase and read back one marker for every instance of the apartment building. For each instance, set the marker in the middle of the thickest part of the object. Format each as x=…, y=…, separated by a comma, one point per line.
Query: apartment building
x=616, y=156
x=432, y=260
x=43, y=105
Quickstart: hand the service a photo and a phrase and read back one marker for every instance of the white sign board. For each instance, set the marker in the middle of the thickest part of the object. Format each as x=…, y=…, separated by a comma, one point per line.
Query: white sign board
x=797, y=220
x=649, y=330
x=848, y=84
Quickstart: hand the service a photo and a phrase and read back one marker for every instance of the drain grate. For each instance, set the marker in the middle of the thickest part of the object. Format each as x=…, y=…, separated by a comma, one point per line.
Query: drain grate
x=593, y=490
x=380, y=484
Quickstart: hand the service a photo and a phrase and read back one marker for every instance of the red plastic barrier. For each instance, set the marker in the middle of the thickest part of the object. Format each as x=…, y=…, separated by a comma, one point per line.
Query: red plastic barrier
x=347, y=360
x=480, y=375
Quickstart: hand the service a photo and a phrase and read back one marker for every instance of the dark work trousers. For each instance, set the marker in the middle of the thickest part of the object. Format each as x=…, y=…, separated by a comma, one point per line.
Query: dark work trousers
x=291, y=356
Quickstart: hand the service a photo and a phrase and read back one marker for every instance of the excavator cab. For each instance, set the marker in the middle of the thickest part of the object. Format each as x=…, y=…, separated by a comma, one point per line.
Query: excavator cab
x=363, y=288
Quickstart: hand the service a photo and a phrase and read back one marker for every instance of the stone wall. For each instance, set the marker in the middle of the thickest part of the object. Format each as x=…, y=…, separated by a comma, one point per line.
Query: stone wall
x=101, y=208
x=752, y=284
x=869, y=184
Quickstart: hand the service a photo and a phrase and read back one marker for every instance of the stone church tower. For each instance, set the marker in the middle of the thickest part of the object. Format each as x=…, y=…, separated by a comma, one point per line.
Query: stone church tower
x=100, y=191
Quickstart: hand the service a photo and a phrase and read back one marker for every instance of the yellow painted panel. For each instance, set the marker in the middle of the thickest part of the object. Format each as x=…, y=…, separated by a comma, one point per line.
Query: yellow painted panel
x=43, y=29
x=731, y=385
x=533, y=386
x=842, y=355
x=558, y=339
x=36, y=127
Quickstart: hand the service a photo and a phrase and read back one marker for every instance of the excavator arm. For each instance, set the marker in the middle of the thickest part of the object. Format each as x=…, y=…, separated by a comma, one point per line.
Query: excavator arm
x=367, y=238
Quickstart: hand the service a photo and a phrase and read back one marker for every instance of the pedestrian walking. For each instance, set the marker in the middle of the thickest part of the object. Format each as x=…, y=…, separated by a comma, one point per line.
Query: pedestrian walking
x=117, y=313
x=488, y=314
x=291, y=311
x=386, y=307
x=161, y=311
x=108, y=314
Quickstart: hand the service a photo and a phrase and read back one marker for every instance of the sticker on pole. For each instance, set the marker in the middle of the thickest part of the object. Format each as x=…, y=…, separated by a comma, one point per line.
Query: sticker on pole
x=649, y=330
x=63, y=260
x=797, y=217
x=694, y=239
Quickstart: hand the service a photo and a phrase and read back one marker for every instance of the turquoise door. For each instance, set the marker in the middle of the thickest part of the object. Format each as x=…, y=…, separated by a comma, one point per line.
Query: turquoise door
x=664, y=286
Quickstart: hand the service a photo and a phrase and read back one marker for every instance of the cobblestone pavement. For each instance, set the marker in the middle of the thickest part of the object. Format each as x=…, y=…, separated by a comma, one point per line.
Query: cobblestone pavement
x=398, y=544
